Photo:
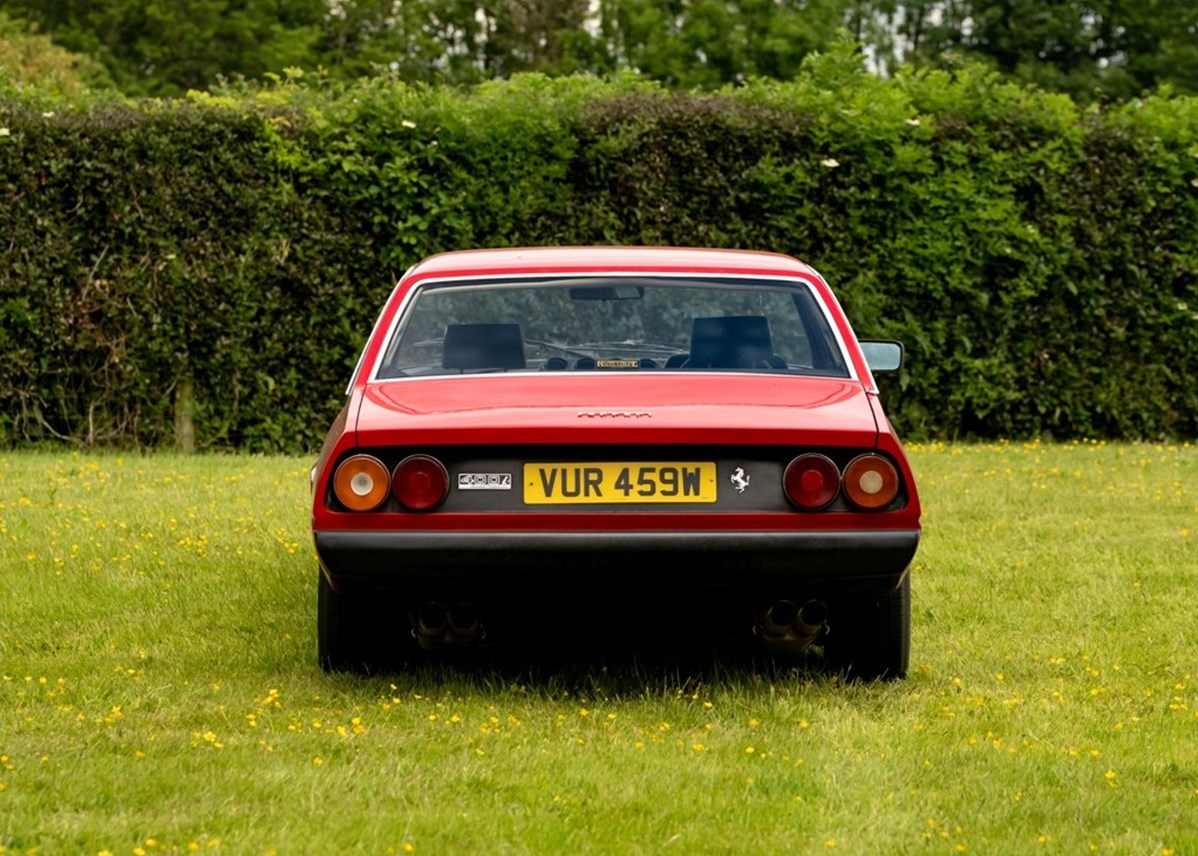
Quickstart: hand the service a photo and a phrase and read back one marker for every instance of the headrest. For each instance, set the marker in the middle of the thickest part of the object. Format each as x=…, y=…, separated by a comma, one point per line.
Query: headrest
x=483, y=346
x=730, y=342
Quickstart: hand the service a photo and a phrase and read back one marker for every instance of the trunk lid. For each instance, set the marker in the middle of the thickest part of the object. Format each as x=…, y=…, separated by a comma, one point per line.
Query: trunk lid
x=651, y=408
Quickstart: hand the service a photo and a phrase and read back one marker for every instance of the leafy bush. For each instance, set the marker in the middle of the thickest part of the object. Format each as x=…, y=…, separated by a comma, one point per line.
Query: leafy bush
x=30, y=59
x=224, y=255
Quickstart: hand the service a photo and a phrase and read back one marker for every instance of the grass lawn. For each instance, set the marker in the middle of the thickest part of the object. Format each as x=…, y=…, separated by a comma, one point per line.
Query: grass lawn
x=159, y=691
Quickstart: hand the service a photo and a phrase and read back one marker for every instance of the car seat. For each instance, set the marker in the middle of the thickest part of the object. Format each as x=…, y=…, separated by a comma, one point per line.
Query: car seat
x=469, y=347
x=732, y=342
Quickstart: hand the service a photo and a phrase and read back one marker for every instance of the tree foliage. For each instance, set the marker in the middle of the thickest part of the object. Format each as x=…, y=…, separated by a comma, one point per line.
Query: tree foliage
x=165, y=47
x=1091, y=49
x=30, y=59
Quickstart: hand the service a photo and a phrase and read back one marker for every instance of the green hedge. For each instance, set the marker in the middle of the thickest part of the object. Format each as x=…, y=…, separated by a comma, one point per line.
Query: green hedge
x=225, y=255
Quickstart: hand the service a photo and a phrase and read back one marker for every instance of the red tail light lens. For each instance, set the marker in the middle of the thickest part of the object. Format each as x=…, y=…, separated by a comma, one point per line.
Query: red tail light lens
x=871, y=482
x=361, y=483
x=811, y=482
x=420, y=483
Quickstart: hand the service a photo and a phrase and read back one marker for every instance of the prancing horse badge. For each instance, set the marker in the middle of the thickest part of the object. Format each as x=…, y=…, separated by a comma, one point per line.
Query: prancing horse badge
x=739, y=479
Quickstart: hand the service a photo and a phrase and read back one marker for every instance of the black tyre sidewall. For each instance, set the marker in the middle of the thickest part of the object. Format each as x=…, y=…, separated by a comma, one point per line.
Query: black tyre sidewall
x=871, y=639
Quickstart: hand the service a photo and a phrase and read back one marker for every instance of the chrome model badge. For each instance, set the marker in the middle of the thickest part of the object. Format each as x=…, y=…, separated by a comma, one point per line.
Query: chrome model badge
x=614, y=414
x=739, y=479
x=484, y=481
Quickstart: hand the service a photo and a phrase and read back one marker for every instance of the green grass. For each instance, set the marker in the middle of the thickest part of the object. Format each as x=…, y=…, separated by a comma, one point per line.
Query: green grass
x=159, y=693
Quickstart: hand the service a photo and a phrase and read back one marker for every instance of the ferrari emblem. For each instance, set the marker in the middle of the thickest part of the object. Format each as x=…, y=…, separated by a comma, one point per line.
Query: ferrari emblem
x=739, y=480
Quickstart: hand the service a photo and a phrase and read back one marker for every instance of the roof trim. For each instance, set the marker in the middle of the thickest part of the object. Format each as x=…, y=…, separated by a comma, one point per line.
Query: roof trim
x=608, y=259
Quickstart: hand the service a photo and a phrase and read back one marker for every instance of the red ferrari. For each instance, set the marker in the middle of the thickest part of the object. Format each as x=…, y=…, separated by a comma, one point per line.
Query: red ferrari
x=592, y=443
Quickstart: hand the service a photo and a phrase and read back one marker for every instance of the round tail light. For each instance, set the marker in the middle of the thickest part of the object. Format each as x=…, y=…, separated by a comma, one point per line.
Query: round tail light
x=361, y=483
x=871, y=482
x=811, y=482
x=420, y=483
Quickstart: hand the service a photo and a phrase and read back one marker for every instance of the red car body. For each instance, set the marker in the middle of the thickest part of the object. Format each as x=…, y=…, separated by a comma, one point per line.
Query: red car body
x=476, y=565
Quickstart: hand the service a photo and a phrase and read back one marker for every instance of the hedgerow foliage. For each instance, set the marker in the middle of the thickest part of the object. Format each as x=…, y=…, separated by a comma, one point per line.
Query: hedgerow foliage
x=1040, y=262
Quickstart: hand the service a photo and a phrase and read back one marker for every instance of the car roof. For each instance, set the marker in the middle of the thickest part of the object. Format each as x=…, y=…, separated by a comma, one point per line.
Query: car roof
x=608, y=260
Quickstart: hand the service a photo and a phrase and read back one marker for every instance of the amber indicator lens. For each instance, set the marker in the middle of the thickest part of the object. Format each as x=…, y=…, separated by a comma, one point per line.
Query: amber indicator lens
x=420, y=483
x=811, y=482
x=871, y=482
x=361, y=483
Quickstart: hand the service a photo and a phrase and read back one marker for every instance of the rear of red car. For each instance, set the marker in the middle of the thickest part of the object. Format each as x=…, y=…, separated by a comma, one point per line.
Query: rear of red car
x=542, y=441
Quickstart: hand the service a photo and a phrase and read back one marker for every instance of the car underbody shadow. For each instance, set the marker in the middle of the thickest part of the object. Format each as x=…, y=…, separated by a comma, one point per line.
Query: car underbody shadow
x=612, y=646
x=654, y=633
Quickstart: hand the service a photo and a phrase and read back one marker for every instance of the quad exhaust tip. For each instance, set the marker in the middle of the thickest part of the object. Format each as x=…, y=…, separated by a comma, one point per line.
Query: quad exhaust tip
x=439, y=627
x=787, y=627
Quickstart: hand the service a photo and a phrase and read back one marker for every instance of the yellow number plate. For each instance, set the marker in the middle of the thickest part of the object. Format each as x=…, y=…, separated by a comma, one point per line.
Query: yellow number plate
x=578, y=484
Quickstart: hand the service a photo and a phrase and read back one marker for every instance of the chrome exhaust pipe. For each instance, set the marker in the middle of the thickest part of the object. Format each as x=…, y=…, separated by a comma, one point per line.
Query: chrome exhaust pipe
x=777, y=620
x=785, y=627
x=432, y=621
x=812, y=619
x=464, y=626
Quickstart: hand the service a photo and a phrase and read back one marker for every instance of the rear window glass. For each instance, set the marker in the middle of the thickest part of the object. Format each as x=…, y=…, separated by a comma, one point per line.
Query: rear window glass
x=612, y=324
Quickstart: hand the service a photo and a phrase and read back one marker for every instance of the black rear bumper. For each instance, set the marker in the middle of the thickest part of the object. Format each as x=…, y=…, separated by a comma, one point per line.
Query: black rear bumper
x=817, y=562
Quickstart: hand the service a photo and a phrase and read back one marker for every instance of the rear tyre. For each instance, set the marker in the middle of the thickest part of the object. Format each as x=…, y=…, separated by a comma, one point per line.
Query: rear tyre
x=341, y=638
x=870, y=639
